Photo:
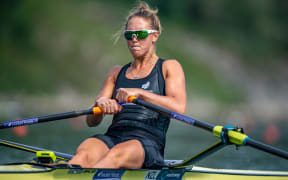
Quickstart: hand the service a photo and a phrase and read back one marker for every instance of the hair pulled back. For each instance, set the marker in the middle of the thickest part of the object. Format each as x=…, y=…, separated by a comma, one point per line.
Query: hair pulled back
x=141, y=10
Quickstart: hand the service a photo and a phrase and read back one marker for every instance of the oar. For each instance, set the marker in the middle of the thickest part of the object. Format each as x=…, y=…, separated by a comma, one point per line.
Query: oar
x=52, y=117
x=32, y=149
x=225, y=134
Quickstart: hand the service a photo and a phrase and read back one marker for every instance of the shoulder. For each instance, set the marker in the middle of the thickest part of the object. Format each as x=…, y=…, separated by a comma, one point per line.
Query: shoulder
x=114, y=71
x=171, y=65
x=171, y=62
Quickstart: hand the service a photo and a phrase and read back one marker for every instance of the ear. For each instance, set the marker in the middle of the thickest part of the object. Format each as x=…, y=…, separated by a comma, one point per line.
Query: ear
x=155, y=37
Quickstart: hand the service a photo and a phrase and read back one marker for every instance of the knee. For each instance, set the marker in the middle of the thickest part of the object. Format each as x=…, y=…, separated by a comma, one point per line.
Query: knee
x=81, y=154
x=116, y=156
x=80, y=158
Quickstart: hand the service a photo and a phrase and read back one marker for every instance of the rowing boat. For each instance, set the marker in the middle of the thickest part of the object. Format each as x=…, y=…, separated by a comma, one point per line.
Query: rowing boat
x=44, y=166
x=173, y=169
x=30, y=171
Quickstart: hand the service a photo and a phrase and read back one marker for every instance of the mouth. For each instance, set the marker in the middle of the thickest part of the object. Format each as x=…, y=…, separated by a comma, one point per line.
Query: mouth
x=135, y=47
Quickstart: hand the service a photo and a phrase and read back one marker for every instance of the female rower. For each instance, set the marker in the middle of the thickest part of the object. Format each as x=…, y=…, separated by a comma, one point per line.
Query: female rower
x=136, y=138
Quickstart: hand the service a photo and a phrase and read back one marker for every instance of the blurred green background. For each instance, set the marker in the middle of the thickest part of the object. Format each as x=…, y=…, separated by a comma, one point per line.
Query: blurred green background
x=54, y=56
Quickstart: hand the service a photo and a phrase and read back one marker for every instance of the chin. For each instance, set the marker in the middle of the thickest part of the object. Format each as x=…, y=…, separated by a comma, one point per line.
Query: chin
x=137, y=54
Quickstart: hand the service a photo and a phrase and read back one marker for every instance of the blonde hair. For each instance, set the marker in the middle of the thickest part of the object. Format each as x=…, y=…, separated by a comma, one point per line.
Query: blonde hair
x=141, y=10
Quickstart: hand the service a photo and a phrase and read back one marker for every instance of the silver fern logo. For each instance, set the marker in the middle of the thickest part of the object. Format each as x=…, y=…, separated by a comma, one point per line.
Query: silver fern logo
x=146, y=85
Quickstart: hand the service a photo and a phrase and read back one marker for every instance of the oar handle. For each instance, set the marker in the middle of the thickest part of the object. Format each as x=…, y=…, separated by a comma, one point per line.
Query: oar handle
x=96, y=110
x=132, y=98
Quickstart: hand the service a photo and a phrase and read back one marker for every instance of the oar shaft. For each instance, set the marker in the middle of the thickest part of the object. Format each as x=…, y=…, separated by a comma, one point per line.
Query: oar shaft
x=267, y=148
x=234, y=137
x=52, y=117
x=174, y=115
x=33, y=149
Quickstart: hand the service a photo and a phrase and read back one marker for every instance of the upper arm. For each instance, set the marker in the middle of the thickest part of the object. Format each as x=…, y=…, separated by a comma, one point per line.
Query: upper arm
x=109, y=83
x=175, y=82
x=106, y=91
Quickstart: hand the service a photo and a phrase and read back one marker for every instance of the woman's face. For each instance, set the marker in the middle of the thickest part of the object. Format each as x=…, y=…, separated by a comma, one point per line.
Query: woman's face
x=140, y=48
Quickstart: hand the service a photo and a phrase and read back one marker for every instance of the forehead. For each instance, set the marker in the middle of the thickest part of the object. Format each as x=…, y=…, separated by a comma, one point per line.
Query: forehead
x=138, y=23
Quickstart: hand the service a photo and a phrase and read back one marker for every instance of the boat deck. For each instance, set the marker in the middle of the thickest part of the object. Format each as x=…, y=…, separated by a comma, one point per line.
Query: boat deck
x=33, y=171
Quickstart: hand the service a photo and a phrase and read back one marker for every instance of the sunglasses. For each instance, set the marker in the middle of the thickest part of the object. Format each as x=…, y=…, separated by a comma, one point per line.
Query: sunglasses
x=140, y=34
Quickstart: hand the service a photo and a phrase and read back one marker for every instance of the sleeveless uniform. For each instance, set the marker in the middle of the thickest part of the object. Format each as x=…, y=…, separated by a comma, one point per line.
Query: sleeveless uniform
x=137, y=122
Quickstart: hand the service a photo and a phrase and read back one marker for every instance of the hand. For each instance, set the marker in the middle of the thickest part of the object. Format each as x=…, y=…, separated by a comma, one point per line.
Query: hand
x=108, y=106
x=124, y=93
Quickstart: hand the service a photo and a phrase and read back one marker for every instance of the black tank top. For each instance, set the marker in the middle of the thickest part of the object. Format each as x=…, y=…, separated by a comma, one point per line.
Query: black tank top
x=137, y=116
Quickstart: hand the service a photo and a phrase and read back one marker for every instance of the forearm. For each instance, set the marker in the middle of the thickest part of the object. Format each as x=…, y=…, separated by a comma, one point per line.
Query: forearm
x=176, y=104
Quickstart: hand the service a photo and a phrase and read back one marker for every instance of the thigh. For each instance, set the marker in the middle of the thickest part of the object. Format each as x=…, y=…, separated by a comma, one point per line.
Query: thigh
x=89, y=152
x=129, y=154
x=93, y=144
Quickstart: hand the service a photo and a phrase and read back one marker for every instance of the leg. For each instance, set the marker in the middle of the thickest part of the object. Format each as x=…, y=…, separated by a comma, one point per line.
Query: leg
x=129, y=154
x=89, y=152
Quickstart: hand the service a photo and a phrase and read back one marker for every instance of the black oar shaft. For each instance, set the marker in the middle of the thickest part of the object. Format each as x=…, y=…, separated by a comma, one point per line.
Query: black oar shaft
x=46, y=118
x=267, y=148
x=209, y=127
x=174, y=115
x=33, y=149
x=65, y=115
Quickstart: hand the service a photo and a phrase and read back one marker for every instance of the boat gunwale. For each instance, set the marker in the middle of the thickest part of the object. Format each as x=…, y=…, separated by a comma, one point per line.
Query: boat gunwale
x=240, y=172
x=47, y=168
x=194, y=169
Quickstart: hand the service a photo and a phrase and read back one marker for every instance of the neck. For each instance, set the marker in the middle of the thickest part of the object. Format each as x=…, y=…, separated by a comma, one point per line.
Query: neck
x=148, y=58
x=141, y=66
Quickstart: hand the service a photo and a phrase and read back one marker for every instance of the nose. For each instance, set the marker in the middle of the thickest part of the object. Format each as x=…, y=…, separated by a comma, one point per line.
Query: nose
x=134, y=37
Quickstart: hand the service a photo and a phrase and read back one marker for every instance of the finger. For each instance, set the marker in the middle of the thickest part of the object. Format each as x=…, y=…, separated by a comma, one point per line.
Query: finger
x=109, y=107
x=118, y=97
x=106, y=107
x=102, y=108
x=126, y=98
x=118, y=93
x=113, y=106
x=117, y=107
x=123, y=95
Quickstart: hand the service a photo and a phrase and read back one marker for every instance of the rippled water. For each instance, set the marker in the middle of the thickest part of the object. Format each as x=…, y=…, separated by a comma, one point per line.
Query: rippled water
x=182, y=142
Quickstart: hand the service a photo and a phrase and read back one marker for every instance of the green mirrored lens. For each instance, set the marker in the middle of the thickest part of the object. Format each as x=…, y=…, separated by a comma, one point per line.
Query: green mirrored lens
x=128, y=35
x=142, y=34
x=139, y=34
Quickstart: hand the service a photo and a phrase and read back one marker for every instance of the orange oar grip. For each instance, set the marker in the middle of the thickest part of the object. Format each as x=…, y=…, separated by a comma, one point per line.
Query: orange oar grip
x=131, y=98
x=97, y=110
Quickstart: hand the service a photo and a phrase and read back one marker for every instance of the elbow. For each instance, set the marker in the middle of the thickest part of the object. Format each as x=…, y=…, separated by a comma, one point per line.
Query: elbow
x=181, y=109
x=89, y=124
x=92, y=121
x=92, y=124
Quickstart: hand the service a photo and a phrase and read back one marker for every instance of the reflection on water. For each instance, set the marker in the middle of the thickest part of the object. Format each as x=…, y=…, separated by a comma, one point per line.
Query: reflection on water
x=182, y=142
